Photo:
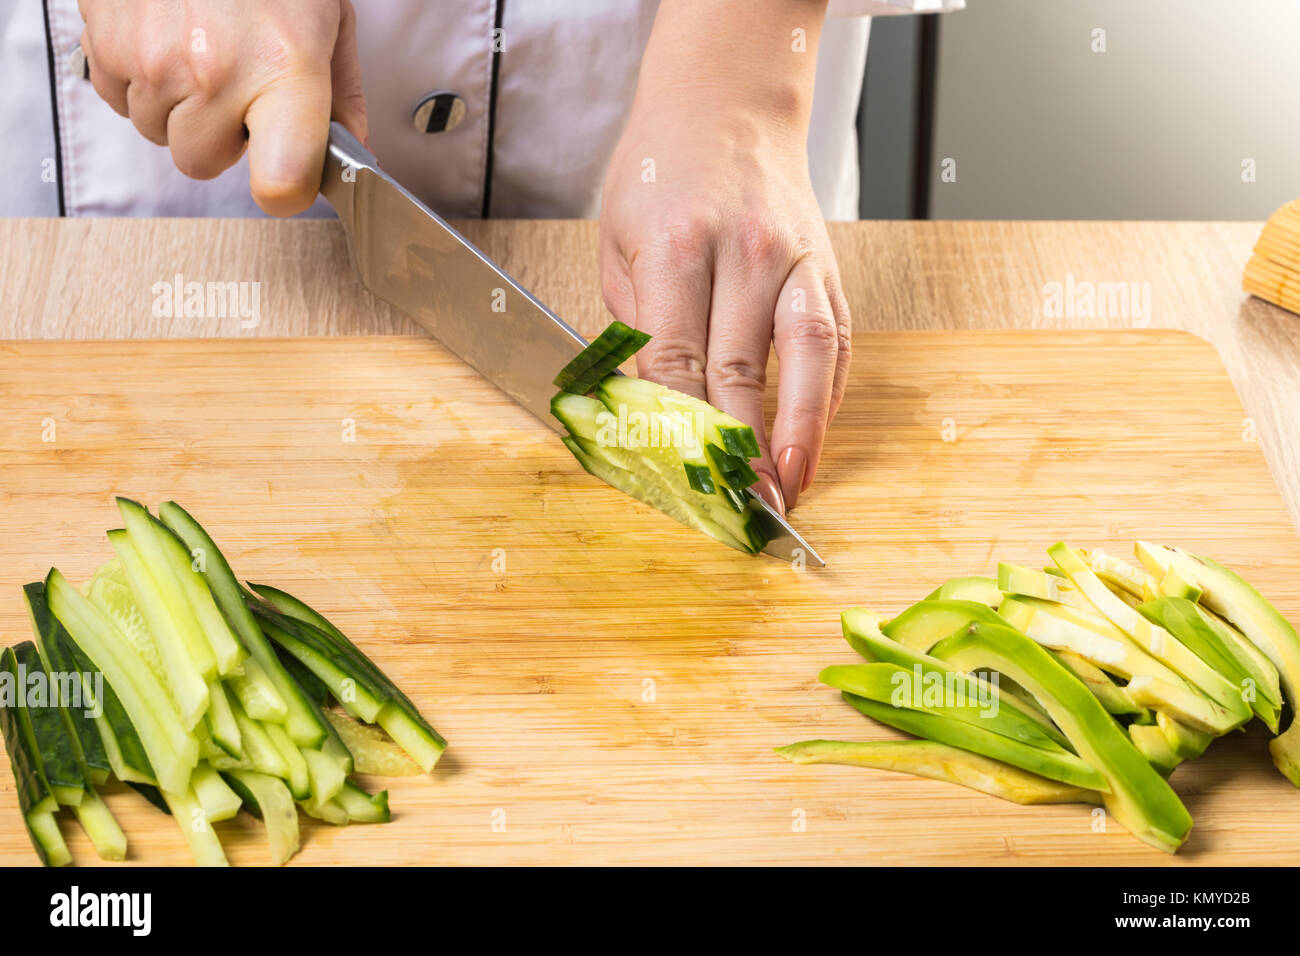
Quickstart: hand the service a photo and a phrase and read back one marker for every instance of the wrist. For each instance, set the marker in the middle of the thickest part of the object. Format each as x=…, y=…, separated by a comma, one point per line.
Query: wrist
x=755, y=61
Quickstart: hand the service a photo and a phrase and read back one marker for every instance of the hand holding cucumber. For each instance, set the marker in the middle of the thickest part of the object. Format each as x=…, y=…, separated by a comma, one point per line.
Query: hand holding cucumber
x=207, y=79
x=711, y=236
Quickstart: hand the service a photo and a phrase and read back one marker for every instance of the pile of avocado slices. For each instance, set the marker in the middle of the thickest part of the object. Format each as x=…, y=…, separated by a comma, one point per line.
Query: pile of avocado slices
x=1088, y=682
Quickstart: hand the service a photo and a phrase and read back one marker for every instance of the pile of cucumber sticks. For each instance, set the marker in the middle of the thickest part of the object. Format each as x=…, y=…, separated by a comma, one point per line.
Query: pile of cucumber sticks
x=206, y=696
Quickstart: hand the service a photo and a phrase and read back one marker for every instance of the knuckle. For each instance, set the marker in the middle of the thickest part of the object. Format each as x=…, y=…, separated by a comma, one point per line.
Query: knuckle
x=684, y=236
x=816, y=328
x=736, y=372
x=155, y=61
x=759, y=240
x=674, y=361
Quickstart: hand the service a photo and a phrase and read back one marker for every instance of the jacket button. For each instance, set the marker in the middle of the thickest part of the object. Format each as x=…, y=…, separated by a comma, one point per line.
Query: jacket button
x=437, y=112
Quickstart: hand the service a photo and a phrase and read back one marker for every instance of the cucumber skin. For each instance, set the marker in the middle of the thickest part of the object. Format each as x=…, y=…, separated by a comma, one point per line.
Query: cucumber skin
x=614, y=346
x=54, y=745
x=50, y=638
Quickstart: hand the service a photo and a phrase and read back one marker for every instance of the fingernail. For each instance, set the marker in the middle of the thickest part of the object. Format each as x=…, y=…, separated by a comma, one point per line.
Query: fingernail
x=767, y=489
x=791, y=466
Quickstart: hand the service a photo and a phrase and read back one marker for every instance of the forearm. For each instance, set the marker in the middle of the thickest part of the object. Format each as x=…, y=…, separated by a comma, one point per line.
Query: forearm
x=755, y=55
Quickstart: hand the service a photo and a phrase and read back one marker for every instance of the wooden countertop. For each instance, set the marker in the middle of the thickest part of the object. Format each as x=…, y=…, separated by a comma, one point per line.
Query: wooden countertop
x=95, y=278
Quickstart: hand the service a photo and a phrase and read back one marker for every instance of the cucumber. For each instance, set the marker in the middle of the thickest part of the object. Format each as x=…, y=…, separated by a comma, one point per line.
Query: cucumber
x=218, y=801
x=260, y=752
x=173, y=752
x=97, y=820
x=221, y=641
x=257, y=694
x=362, y=807
x=156, y=560
x=602, y=357
x=220, y=720
x=35, y=798
x=298, y=772
x=303, y=720
x=60, y=668
x=54, y=747
x=118, y=736
x=199, y=835
x=312, y=686
x=185, y=676
x=326, y=776
x=398, y=716
x=353, y=693
x=371, y=750
x=689, y=504
x=269, y=799
x=597, y=462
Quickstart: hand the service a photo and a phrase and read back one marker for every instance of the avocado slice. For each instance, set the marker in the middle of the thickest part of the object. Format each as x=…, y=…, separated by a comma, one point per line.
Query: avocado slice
x=1102, y=644
x=1216, y=647
x=1113, y=697
x=1015, y=579
x=1062, y=765
x=1228, y=595
x=927, y=758
x=1139, y=798
x=1187, y=742
x=975, y=588
x=938, y=689
x=926, y=623
x=1152, y=637
x=1152, y=744
x=1118, y=574
x=863, y=632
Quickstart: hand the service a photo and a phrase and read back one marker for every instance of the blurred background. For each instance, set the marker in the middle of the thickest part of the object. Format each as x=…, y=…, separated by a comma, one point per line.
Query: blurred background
x=1104, y=109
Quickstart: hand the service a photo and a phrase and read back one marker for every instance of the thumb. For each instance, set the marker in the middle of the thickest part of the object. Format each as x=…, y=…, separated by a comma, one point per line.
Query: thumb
x=288, y=129
x=349, y=107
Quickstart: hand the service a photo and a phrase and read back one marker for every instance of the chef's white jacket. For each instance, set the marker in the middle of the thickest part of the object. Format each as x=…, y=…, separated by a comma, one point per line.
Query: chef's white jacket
x=565, y=74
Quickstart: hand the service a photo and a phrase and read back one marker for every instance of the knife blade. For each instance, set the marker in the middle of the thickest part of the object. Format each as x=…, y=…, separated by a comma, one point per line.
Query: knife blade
x=409, y=256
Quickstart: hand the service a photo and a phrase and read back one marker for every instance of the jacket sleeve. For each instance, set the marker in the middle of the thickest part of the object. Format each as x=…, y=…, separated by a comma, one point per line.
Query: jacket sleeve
x=879, y=8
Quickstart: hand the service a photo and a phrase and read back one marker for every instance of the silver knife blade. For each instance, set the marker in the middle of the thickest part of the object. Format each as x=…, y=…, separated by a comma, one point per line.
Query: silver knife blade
x=409, y=256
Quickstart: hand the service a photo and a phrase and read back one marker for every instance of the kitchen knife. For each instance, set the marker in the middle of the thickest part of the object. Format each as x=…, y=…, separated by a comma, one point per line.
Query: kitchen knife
x=407, y=255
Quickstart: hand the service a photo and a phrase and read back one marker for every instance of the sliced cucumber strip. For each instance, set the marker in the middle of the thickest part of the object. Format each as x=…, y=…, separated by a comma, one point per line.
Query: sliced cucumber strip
x=303, y=720
x=173, y=753
x=372, y=751
x=66, y=686
x=362, y=807
x=257, y=693
x=259, y=750
x=214, y=795
x=204, y=845
x=122, y=745
x=268, y=798
x=97, y=820
x=183, y=675
x=158, y=560
x=424, y=744
x=326, y=775
x=221, y=721
x=298, y=770
x=48, y=840
x=35, y=799
x=225, y=647
x=346, y=689
x=58, y=760
x=602, y=357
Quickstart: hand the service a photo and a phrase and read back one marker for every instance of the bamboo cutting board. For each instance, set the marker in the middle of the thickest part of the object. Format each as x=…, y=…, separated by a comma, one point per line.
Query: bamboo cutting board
x=612, y=684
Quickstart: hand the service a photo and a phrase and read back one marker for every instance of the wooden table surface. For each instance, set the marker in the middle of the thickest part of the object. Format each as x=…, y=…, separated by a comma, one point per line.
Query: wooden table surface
x=94, y=279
